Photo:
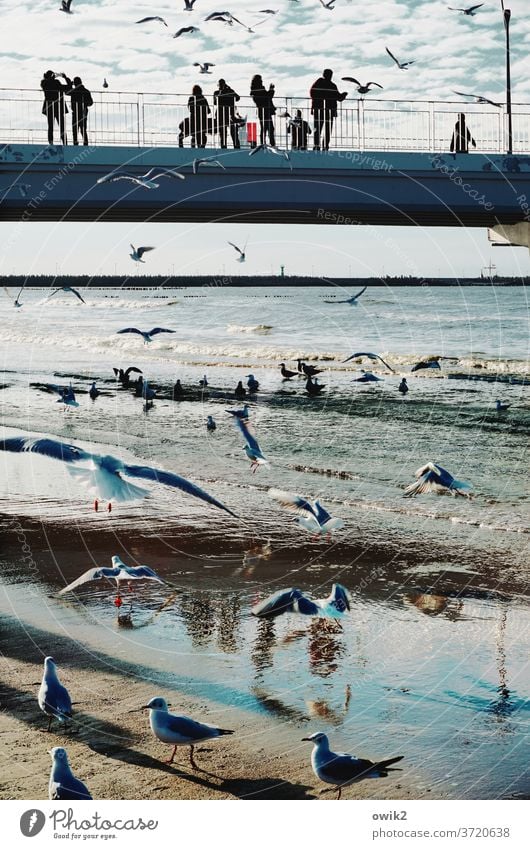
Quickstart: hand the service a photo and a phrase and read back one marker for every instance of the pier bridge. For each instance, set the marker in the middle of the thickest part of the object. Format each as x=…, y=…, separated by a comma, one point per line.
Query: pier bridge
x=388, y=164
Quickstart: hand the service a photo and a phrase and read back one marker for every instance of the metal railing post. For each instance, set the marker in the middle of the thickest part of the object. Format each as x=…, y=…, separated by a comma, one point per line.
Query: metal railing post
x=431, y=127
x=360, y=123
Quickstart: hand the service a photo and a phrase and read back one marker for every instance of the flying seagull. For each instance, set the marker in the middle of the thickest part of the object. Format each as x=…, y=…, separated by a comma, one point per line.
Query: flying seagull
x=63, y=785
x=123, y=376
x=433, y=478
x=54, y=699
x=367, y=377
x=362, y=89
x=204, y=67
x=146, y=334
x=119, y=571
x=152, y=18
x=66, y=289
x=103, y=473
x=370, y=356
x=471, y=10
x=350, y=300
x=146, y=181
x=65, y=6
x=273, y=149
x=179, y=730
x=295, y=601
x=16, y=302
x=242, y=255
x=188, y=5
x=137, y=254
x=428, y=362
x=311, y=515
x=182, y=30
x=341, y=769
x=209, y=161
x=478, y=98
x=251, y=448
x=329, y=6
x=403, y=66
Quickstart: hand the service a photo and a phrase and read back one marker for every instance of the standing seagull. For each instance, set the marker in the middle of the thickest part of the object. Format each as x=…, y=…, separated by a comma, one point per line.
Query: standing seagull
x=501, y=406
x=94, y=391
x=210, y=424
x=341, y=769
x=312, y=516
x=403, y=66
x=434, y=478
x=240, y=414
x=63, y=785
x=179, y=730
x=286, y=373
x=251, y=448
x=67, y=289
x=204, y=67
x=146, y=334
x=137, y=254
x=362, y=89
x=54, y=699
x=119, y=571
x=403, y=387
x=242, y=255
x=103, y=474
x=471, y=10
x=351, y=300
x=252, y=383
x=370, y=356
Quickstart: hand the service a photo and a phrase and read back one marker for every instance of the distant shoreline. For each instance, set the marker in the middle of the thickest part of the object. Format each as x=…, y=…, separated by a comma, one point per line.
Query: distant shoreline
x=212, y=281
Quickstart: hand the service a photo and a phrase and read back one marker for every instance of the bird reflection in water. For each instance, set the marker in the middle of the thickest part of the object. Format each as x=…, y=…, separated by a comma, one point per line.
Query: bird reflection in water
x=320, y=709
x=228, y=614
x=263, y=646
x=433, y=605
x=198, y=614
x=325, y=648
x=257, y=552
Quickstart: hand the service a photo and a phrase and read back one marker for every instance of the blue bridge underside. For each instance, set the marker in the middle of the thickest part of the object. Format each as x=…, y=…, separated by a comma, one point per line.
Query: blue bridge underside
x=341, y=187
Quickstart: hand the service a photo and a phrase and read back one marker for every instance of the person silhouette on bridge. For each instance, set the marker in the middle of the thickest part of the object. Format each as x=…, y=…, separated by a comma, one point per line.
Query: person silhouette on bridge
x=54, y=106
x=461, y=136
x=324, y=96
x=199, y=111
x=300, y=131
x=225, y=101
x=80, y=102
x=262, y=97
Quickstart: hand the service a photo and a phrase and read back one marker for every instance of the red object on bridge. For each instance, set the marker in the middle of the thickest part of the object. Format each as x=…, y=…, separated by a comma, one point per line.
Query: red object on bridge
x=118, y=601
x=252, y=133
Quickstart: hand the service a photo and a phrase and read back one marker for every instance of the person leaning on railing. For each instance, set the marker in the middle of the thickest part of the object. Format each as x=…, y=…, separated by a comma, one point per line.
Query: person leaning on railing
x=80, y=102
x=54, y=106
x=324, y=96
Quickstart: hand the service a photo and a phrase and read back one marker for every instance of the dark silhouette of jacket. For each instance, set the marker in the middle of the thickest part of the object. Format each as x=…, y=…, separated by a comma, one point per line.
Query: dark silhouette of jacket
x=199, y=111
x=263, y=98
x=54, y=106
x=300, y=132
x=325, y=95
x=461, y=137
x=225, y=101
x=80, y=102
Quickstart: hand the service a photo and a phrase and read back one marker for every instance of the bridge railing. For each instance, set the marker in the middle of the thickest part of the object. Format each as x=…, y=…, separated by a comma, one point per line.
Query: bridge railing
x=156, y=119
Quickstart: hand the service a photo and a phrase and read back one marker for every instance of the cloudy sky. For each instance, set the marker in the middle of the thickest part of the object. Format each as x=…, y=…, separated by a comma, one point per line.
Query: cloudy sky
x=290, y=49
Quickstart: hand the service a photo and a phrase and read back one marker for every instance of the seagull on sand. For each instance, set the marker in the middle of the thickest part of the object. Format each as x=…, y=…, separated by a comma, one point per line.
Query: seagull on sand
x=403, y=387
x=146, y=181
x=210, y=424
x=240, y=414
x=286, y=374
x=146, y=334
x=403, y=66
x=362, y=89
x=295, y=601
x=501, y=406
x=433, y=478
x=103, y=474
x=209, y=161
x=66, y=289
x=94, y=391
x=251, y=447
x=137, y=253
x=313, y=387
x=252, y=383
x=479, y=99
x=309, y=371
x=179, y=730
x=183, y=30
x=67, y=397
x=54, y=699
x=152, y=18
x=367, y=377
x=371, y=356
x=123, y=376
x=470, y=10
x=341, y=769
x=64, y=786
x=204, y=67
x=119, y=571
x=311, y=515
x=242, y=255
x=351, y=300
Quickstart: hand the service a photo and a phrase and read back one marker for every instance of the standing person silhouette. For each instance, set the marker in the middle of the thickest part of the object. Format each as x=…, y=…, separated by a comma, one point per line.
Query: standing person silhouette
x=80, y=102
x=461, y=136
x=324, y=96
x=300, y=131
x=225, y=101
x=262, y=97
x=54, y=106
x=199, y=111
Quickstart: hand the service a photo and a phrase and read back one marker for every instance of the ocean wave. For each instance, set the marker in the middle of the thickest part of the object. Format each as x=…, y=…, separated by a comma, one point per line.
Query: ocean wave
x=249, y=328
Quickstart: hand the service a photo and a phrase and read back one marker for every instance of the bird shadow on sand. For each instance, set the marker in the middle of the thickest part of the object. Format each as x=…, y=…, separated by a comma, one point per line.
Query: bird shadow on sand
x=241, y=788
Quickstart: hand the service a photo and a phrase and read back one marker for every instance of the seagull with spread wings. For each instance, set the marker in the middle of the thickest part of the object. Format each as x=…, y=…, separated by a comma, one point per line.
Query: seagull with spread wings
x=351, y=300
x=479, y=99
x=311, y=515
x=251, y=448
x=16, y=302
x=152, y=18
x=66, y=6
x=118, y=572
x=295, y=601
x=204, y=67
x=137, y=253
x=146, y=334
x=470, y=10
x=362, y=89
x=434, y=478
x=146, y=181
x=184, y=30
x=209, y=162
x=66, y=289
x=403, y=66
x=242, y=255
x=370, y=356
x=104, y=474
